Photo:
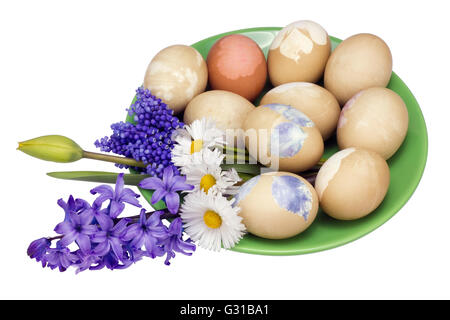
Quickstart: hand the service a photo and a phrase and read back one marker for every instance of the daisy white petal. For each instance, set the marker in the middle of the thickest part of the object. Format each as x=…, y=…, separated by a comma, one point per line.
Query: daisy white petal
x=211, y=220
x=205, y=173
x=200, y=135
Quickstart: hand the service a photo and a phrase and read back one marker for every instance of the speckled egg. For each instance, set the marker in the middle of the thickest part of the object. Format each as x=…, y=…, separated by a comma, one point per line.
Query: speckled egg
x=299, y=52
x=236, y=63
x=313, y=100
x=359, y=62
x=277, y=205
x=283, y=138
x=228, y=109
x=352, y=183
x=374, y=119
x=176, y=75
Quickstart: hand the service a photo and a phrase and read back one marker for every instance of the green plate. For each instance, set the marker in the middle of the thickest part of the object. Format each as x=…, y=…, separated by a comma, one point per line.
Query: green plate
x=406, y=168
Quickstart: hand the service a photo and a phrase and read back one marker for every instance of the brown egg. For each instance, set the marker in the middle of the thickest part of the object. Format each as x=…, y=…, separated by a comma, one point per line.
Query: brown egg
x=282, y=138
x=277, y=205
x=176, y=75
x=352, y=183
x=299, y=52
x=313, y=100
x=237, y=64
x=227, y=109
x=359, y=62
x=374, y=119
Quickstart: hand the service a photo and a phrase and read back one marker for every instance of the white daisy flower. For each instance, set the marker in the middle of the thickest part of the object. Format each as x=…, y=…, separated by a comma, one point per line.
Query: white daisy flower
x=200, y=135
x=205, y=173
x=211, y=220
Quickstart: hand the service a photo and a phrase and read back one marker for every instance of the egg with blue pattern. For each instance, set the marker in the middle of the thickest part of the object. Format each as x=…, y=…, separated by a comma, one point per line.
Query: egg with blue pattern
x=277, y=205
x=283, y=138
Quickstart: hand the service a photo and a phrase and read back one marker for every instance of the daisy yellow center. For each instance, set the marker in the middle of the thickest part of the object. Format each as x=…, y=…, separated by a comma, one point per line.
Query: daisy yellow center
x=206, y=182
x=196, y=146
x=212, y=219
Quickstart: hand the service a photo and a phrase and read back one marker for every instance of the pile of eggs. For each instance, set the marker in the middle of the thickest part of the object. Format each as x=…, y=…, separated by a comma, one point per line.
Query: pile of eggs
x=316, y=93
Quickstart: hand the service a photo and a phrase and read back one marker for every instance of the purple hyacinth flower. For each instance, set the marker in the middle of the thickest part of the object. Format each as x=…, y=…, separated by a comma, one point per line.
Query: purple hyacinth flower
x=147, y=232
x=108, y=239
x=117, y=197
x=97, y=214
x=77, y=228
x=60, y=257
x=86, y=261
x=38, y=248
x=175, y=243
x=167, y=188
x=73, y=205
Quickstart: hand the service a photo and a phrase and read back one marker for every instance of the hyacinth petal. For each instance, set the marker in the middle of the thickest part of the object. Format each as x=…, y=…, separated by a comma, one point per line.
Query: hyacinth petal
x=99, y=237
x=167, y=174
x=131, y=232
x=119, y=227
x=74, y=218
x=104, y=221
x=158, y=195
x=181, y=185
x=103, y=189
x=138, y=240
x=89, y=229
x=83, y=242
x=152, y=183
x=116, y=247
x=63, y=227
x=173, y=202
x=86, y=217
x=130, y=197
x=154, y=220
x=119, y=185
x=68, y=239
x=102, y=248
x=116, y=208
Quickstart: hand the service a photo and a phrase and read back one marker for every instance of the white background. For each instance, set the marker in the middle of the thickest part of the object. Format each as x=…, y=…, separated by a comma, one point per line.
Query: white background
x=71, y=68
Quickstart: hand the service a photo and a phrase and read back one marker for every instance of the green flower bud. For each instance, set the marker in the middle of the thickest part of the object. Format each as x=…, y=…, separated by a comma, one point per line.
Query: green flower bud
x=52, y=148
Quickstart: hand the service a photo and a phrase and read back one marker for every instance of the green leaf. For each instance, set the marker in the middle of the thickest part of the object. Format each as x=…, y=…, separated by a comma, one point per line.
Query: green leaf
x=98, y=176
x=131, y=179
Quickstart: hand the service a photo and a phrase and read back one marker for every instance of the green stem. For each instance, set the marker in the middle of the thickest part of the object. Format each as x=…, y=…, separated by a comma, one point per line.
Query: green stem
x=235, y=150
x=115, y=159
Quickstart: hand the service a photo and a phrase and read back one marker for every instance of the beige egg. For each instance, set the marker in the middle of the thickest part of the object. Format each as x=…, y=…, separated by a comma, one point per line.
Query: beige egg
x=374, y=119
x=299, y=52
x=359, y=62
x=277, y=205
x=352, y=183
x=176, y=75
x=283, y=138
x=313, y=100
x=228, y=109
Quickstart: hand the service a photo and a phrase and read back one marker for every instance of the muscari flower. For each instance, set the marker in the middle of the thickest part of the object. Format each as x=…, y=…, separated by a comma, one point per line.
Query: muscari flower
x=205, y=173
x=211, y=220
x=118, y=197
x=77, y=228
x=146, y=233
x=148, y=139
x=174, y=241
x=167, y=188
x=200, y=135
